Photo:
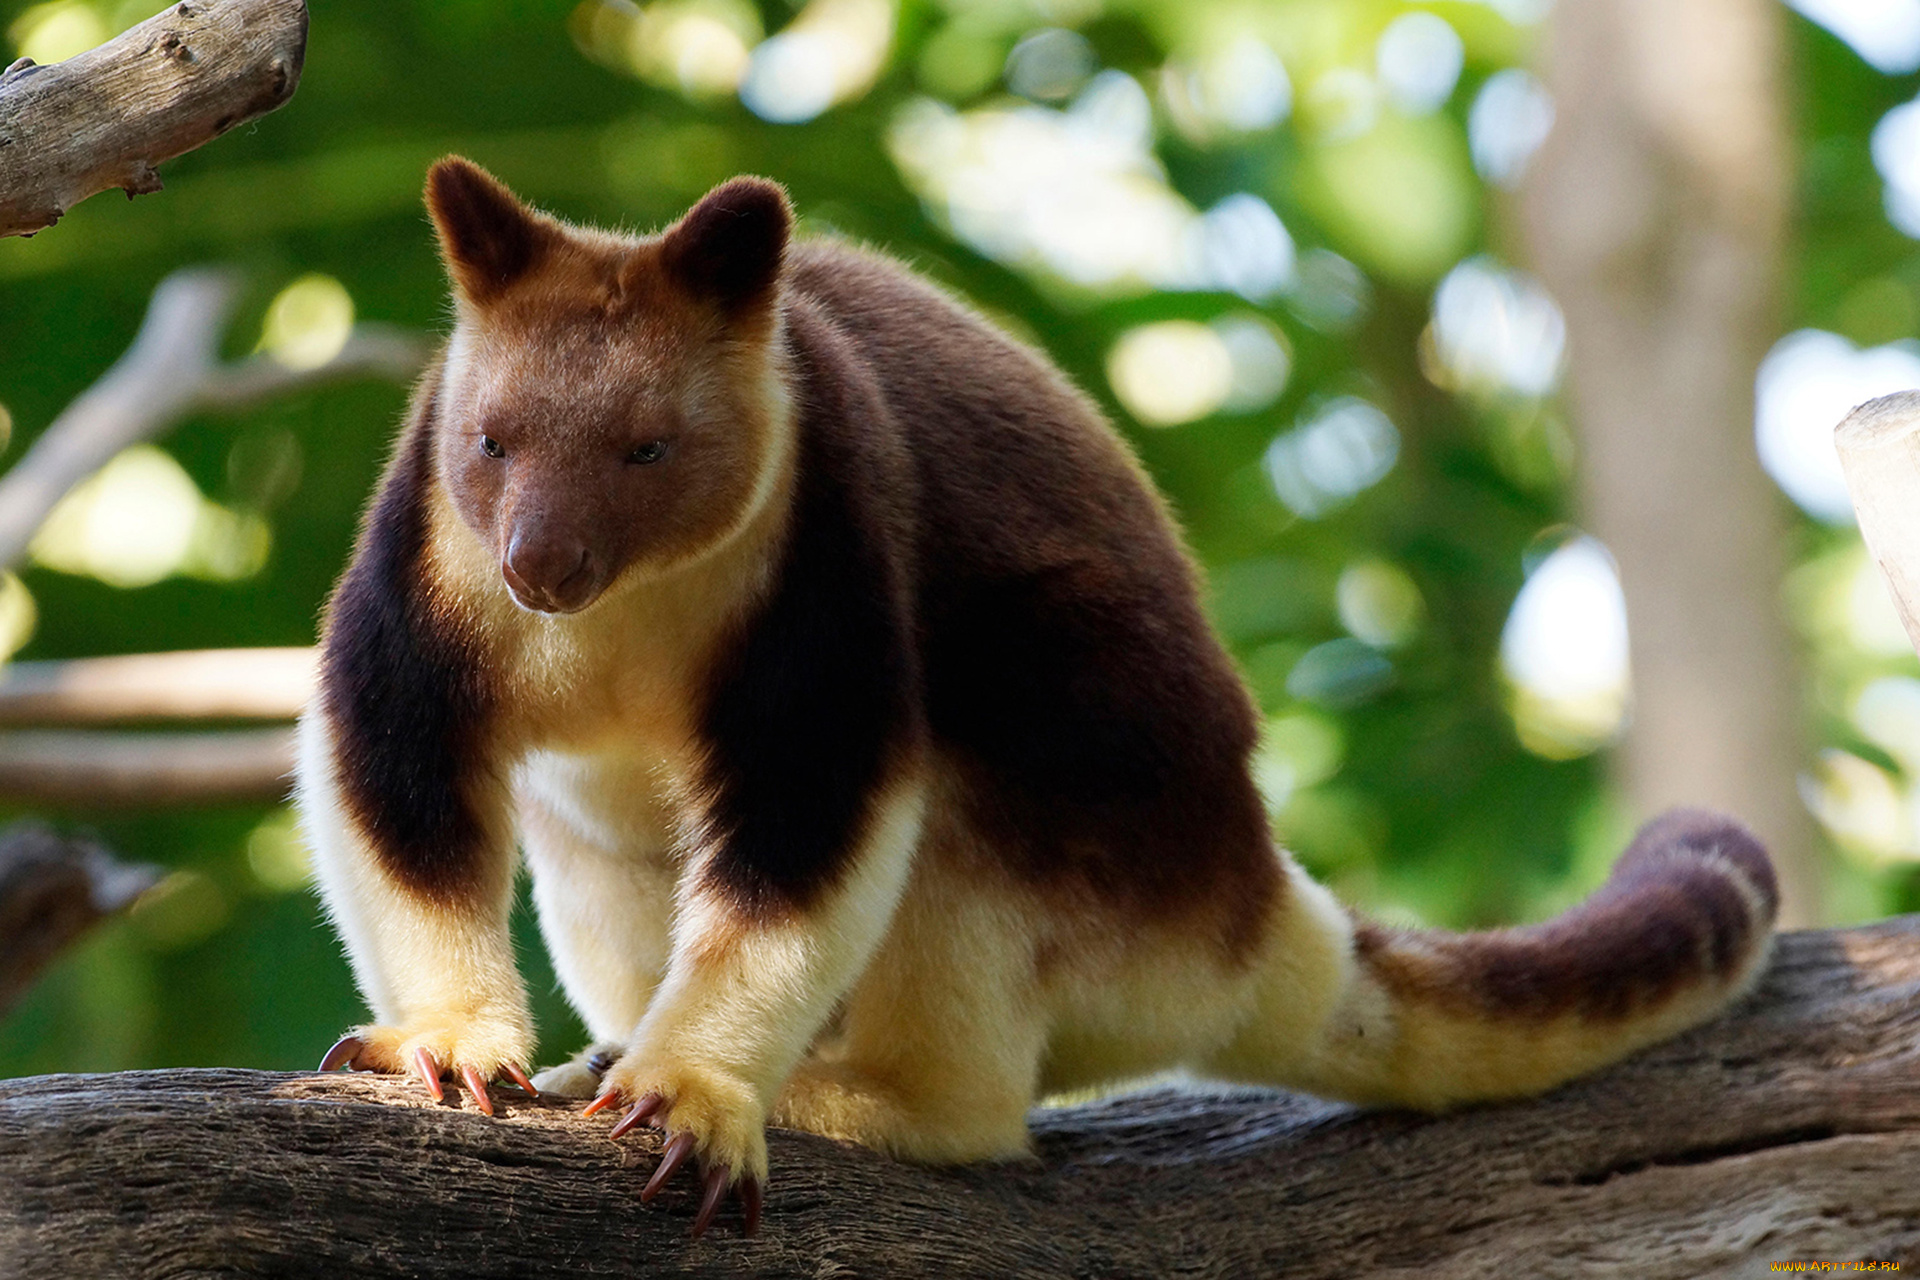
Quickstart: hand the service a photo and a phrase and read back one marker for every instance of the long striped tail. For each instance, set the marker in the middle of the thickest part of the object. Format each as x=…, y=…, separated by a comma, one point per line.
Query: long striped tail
x=1433, y=1019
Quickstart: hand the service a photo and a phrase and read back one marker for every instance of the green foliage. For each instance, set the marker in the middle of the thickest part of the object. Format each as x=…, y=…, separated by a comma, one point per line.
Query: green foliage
x=1395, y=768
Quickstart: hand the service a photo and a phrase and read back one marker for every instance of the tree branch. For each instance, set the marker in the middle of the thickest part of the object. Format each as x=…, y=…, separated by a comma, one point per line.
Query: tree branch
x=139, y=770
x=172, y=370
x=198, y=684
x=1787, y=1131
x=110, y=769
x=105, y=118
x=52, y=890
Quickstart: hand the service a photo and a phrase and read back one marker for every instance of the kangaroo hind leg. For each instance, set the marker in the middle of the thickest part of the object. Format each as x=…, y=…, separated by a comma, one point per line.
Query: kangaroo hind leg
x=939, y=1045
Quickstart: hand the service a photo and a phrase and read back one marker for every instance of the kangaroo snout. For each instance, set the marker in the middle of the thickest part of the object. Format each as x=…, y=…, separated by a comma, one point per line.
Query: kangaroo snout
x=548, y=573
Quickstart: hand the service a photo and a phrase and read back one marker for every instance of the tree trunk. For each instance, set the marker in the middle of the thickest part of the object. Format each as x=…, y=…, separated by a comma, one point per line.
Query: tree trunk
x=1656, y=212
x=1789, y=1131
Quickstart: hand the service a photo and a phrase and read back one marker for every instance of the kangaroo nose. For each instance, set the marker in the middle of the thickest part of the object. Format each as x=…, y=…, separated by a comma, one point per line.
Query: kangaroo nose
x=550, y=574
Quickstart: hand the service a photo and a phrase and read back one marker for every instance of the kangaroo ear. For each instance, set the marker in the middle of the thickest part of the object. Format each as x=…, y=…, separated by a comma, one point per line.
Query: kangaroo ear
x=729, y=246
x=487, y=237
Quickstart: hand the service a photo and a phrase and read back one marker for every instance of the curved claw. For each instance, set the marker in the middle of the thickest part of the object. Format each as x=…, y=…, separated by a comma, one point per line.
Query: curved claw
x=641, y=1110
x=477, y=1086
x=710, y=1202
x=679, y=1147
x=429, y=1072
x=751, y=1195
x=518, y=1074
x=602, y=1102
x=343, y=1053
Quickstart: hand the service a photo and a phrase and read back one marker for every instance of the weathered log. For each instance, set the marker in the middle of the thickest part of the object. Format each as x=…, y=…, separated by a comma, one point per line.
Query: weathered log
x=1789, y=1131
x=107, y=117
x=54, y=888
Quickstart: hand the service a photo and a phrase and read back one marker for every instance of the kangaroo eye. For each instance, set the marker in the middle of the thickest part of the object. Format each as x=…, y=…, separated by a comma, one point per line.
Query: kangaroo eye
x=651, y=451
x=492, y=448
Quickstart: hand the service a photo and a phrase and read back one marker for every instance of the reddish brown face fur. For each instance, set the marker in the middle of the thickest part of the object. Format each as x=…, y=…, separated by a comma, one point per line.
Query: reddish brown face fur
x=661, y=448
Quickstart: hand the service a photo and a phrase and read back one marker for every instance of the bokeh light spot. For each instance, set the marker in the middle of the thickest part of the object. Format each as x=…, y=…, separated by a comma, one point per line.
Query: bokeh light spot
x=1510, y=117
x=1295, y=751
x=1050, y=65
x=1379, y=603
x=1171, y=372
x=1340, y=673
x=277, y=854
x=1244, y=86
x=50, y=33
x=1804, y=387
x=1079, y=194
x=831, y=53
x=1344, y=448
x=1261, y=358
x=1564, y=651
x=140, y=519
x=1884, y=32
x=1418, y=60
x=308, y=322
x=18, y=615
x=699, y=47
x=1245, y=248
x=1497, y=329
x=1333, y=294
x=1895, y=145
x=1859, y=805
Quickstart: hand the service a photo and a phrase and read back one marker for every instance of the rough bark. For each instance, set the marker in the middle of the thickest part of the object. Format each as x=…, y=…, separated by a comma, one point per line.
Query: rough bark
x=1656, y=213
x=52, y=890
x=107, y=117
x=1787, y=1131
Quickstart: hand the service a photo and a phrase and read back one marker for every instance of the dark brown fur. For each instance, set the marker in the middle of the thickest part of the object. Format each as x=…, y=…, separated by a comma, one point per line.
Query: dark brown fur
x=403, y=683
x=1102, y=733
x=490, y=244
x=1666, y=919
x=818, y=700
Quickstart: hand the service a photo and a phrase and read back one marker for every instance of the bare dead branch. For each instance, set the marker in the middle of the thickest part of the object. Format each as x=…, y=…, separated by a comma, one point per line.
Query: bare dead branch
x=107, y=117
x=371, y=350
x=1787, y=1131
x=53, y=889
x=124, y=770
x=202, y=684
x=171, y=370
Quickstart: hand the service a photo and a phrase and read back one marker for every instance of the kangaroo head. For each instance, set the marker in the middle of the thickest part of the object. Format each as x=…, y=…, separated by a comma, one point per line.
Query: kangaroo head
x=610, y=406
